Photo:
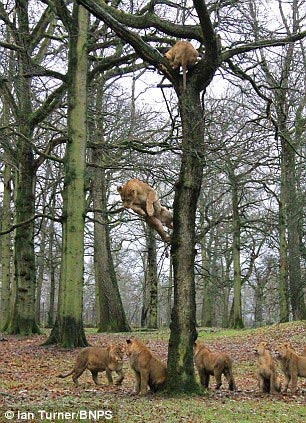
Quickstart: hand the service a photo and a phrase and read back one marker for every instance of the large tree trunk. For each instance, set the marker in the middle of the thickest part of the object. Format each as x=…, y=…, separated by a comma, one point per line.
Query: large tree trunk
x=23, y=317
x=183, y=323
x=68, y=329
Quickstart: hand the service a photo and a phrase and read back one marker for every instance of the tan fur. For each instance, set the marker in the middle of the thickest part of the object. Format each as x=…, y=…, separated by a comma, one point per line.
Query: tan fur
x=148, y=369
x=215, y=364
x=292, y=364
x=268, y=381
x=96, y=360
x=182, y=54
x=304, y=352
x=143, y=200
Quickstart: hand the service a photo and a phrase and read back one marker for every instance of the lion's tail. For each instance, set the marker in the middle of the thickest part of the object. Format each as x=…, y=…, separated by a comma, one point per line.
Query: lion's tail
x=62, y=375
x=228, y=372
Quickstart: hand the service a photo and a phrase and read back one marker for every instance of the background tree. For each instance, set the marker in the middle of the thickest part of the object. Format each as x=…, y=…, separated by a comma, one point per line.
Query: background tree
x=183, y=332
x=68, y=330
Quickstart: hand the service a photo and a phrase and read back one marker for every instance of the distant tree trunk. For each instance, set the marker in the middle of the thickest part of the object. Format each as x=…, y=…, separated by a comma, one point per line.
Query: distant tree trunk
x=291, y=207
x=112, y=316
x=52, y=267
x=40, y=268
x=68, y=329
x=258, y=312
x=283, y=293
x=292, y=210
x=152, y=280
x=111, y=313
x=294, y=216
x=236, y=321
x=207, y=302
x=226, y=282
x=5, y=239
x=5, y=250
x=226, y=293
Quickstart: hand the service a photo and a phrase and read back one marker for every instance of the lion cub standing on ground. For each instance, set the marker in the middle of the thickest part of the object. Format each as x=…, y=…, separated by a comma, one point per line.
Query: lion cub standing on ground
x=148, y=369
x=215, y=364
x=293, y=365
x=97, y=359
x=268, y=382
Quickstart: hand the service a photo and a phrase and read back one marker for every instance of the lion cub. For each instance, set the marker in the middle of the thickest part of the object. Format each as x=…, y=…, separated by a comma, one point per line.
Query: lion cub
x=143, y=200
x=293, y=365
x=148, y=369
x=215, y=364
x=97, y=359
x=182, y=54
x=268, y=382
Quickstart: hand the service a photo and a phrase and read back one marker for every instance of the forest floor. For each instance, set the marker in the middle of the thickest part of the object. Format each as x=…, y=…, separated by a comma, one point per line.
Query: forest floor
x=30, y=390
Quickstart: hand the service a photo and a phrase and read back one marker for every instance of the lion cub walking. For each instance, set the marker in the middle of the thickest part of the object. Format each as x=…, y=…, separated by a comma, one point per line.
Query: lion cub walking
x=97, y=359
x=293, y=365
x=215, y=364
x=148, y=369
x=268, y=381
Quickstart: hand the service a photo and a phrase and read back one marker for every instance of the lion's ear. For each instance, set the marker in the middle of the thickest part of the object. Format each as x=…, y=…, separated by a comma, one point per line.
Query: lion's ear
x=128, y=341
x=119, y=189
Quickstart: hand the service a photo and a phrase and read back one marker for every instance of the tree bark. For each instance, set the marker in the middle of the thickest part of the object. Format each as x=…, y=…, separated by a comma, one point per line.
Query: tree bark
x=151, y=281
x=23, y=316
x=236, y=321
x=5, y=250
x=183, y=322
x=68, y=330
x=283, y=293
x=5, y=239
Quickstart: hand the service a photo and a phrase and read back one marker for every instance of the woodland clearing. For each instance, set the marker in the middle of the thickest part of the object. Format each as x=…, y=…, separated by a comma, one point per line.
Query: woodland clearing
x=30, y=389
